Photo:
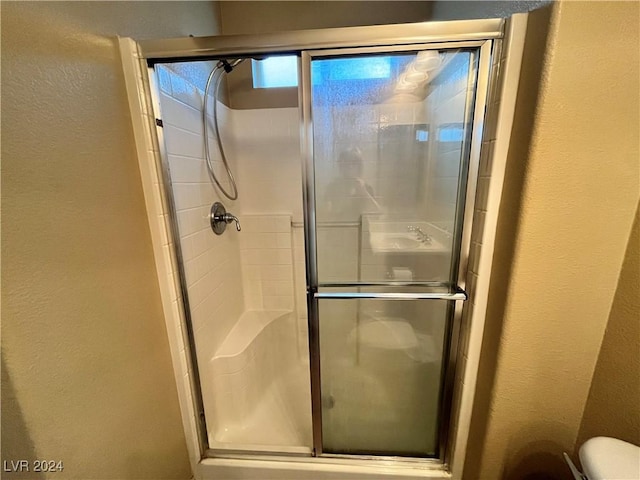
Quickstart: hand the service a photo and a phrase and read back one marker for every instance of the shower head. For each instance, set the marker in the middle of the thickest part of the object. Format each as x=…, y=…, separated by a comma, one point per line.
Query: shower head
x=229, y=65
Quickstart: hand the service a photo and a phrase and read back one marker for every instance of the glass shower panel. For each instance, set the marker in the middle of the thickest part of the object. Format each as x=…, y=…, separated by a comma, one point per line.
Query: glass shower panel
x=242, y=288
x=381, y=371
x=390, y=144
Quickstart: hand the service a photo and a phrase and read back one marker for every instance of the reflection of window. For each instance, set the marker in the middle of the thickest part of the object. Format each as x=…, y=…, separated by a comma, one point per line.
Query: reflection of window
x=357, y=80
x=274, y=72
x=360, y=68
x=422, y=135
x=451, y=133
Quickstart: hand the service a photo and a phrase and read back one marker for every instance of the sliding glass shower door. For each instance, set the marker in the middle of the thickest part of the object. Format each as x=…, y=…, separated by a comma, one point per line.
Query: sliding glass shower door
x=388, y=141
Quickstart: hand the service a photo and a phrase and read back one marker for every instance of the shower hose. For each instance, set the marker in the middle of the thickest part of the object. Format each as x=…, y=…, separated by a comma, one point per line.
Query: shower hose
x=221, y=67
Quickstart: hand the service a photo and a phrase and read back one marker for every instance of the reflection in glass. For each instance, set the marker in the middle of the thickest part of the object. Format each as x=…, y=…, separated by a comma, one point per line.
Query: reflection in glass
x=380, y=372
x=390, y=144
x=390, y=163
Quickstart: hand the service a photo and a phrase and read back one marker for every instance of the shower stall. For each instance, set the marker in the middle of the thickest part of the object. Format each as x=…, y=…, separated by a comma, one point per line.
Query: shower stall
x=328, y=321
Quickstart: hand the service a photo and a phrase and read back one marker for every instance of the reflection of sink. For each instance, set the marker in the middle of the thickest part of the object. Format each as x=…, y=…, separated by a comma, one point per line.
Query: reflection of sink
x=401, y=242
x=397, y=242
x=406, y=237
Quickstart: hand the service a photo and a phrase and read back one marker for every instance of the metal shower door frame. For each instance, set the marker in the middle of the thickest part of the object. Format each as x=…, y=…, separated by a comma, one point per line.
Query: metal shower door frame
x=309, y=43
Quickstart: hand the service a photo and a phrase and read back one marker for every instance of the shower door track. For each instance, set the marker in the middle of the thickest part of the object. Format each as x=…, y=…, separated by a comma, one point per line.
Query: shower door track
x=479, y=34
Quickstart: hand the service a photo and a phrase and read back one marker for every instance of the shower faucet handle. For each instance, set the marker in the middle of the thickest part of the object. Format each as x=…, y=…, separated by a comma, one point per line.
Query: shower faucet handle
x=228, y=217
x=219, y=218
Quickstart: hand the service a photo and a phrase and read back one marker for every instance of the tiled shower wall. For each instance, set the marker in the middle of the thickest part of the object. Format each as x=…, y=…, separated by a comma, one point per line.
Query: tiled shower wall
x=267, y=259
x=211, y=262
x=266, y=144
x=252, y=269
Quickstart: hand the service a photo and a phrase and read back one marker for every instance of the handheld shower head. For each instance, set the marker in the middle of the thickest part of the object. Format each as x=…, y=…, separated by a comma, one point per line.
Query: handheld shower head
x=229, y=66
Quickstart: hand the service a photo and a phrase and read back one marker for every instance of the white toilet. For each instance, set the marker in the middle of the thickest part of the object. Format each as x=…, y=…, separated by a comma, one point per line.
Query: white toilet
x=605, y=458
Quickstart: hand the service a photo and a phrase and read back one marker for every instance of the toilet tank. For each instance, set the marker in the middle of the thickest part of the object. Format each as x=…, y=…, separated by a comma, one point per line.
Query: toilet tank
x=605, y=458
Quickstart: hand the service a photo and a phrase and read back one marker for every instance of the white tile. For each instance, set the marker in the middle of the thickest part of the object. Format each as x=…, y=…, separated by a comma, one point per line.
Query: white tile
x=482, y=194
x=200, y=241
x=299, y=255
x=278, y=303
x=298, y=238
x=466, y=327
x=276, y=272
x=284, y=240
x=282, y=257
x=252, y=257
x=182, y=142
x=178, y=114
x=486, y=158
x=478, y=226
x=474, y=258
x=282, y=224
x=472, y=281
x=251, y=224
x=251, y=272
x=258, y=240
x=186, y=246
x=277, y=287
x=491, y=121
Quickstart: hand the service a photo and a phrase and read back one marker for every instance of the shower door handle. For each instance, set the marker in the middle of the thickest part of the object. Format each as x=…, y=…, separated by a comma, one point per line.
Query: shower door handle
x=459, y=294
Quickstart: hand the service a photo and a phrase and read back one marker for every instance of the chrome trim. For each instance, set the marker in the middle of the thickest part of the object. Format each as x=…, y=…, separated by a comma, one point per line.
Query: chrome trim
x=309, y=208
x=426, y=463
x=461, y=295
x=328, y=224
x=338, y=224
x=475, y=144
x=389, y=283
x=308, y=186
x=176, y=249
x=422, y=461
x=447, y=379
x=253, y=454
x=299, y=40
x=409, y=47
